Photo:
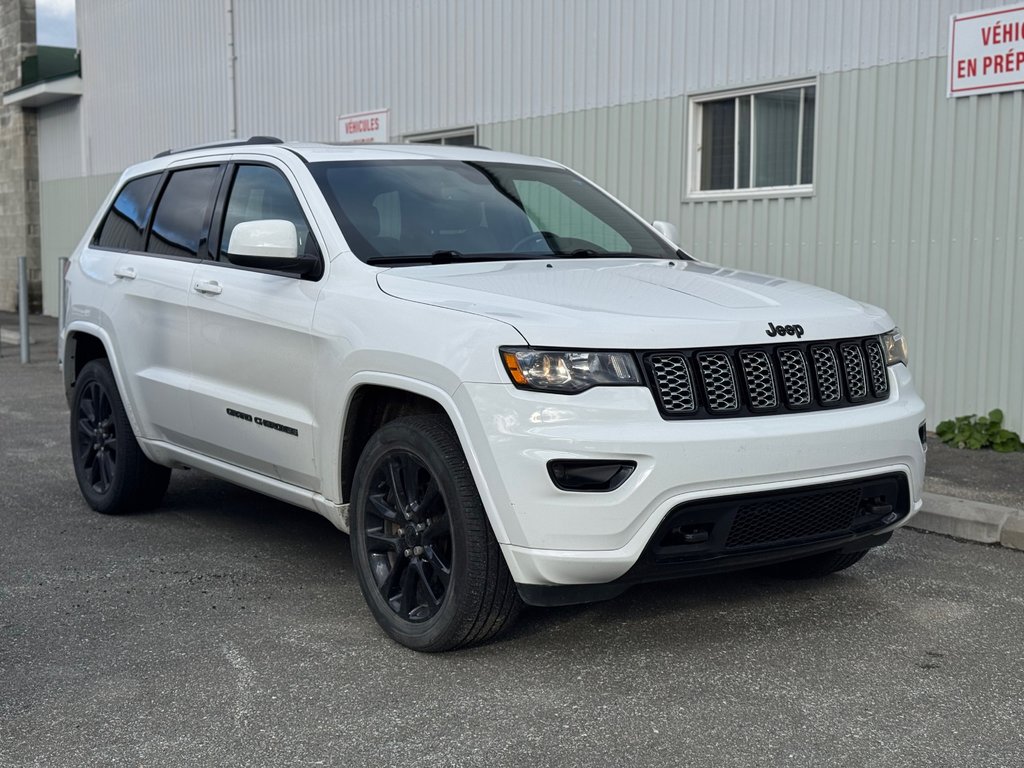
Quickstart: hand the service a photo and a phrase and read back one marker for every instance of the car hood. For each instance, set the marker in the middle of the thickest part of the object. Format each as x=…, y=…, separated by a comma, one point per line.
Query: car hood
x=633, y=304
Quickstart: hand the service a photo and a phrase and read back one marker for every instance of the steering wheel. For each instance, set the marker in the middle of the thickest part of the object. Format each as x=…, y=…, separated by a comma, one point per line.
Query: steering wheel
x=534, y=238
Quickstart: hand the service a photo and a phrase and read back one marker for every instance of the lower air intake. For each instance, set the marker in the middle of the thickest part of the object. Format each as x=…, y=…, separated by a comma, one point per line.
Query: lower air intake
x=793, y=518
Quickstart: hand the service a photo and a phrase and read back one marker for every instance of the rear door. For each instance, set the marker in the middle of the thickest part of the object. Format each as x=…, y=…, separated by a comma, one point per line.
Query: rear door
x=249, y=336
x=158, y=223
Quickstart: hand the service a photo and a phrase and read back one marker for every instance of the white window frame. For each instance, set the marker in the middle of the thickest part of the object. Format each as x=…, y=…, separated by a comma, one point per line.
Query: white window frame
x=433, y=136
x=696, y=101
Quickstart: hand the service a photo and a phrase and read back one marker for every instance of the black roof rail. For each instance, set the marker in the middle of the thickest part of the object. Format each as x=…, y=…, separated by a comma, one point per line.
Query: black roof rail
x=217, y=144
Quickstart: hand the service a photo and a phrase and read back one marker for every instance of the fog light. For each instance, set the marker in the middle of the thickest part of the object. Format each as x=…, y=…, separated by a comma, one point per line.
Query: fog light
x=589, y=475
x=922, y=432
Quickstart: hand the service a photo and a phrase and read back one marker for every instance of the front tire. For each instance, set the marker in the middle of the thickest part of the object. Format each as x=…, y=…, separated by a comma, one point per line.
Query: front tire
x=114, y=475
x=427, y=561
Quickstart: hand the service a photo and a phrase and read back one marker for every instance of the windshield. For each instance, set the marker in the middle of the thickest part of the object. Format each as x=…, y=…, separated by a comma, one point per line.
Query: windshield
x=412, y=211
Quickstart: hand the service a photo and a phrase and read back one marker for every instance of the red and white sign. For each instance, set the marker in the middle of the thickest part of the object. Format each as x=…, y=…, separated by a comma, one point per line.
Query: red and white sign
x=364, y=127
x=986, y=51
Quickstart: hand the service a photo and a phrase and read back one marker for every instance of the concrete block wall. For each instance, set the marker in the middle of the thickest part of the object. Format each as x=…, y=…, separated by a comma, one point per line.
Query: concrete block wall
x=19, y=161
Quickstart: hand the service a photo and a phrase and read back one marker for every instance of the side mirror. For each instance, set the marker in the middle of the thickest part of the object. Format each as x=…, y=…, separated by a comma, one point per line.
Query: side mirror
x=668, y=231
x=269, y=244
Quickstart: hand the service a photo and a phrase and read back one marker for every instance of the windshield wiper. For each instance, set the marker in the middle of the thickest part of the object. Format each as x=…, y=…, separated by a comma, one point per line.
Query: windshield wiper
x=590, y=253
x=452, y=257
x=437, y=257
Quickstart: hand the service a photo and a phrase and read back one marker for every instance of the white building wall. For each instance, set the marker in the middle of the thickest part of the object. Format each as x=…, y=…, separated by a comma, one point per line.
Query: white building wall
x=458, y=62
x=156, y=74
x=60, y=141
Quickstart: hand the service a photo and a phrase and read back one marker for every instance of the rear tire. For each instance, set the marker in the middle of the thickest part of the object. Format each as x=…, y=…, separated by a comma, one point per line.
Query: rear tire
x=427, y=561
x=817, y=566
x=114, y=475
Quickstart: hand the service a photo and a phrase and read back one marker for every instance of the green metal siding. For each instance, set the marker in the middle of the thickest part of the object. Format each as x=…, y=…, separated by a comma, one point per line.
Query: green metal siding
x=916, y=208
x=72, y=203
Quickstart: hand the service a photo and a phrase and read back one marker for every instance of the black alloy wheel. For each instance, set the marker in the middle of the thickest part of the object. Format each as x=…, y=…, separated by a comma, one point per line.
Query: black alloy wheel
x=113, y=473
x=428, y=564
x=97, y=437
x=408, y=537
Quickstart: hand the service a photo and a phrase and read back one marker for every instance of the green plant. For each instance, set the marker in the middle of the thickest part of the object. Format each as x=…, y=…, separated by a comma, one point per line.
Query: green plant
x=979, y=432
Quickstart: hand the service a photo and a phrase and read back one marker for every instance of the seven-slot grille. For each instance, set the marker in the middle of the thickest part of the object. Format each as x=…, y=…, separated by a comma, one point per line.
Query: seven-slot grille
x=753, y=381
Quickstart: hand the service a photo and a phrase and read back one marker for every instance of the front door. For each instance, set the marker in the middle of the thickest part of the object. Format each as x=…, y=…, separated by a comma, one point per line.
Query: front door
x=249, y=334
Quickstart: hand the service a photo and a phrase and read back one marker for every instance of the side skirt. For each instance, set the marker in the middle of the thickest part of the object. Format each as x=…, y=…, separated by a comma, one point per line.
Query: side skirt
x=182, y=458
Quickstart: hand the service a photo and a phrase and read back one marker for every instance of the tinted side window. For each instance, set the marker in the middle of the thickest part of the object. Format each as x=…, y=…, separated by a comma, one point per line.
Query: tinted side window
x=259, y=192
x=125, y=223
x=181, y=213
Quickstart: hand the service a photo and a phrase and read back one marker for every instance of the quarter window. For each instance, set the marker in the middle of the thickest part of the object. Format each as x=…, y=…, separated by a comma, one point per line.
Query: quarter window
x=180, y=220
x=757, y=140
x=125, y=224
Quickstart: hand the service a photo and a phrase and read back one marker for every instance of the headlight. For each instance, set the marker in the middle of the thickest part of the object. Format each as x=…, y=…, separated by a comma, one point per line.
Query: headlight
x=568, y=370
x=895, y=347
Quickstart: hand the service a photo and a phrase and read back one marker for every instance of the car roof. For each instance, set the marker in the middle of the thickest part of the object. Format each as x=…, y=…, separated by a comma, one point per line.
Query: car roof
x=339, y=152
x=313, y=152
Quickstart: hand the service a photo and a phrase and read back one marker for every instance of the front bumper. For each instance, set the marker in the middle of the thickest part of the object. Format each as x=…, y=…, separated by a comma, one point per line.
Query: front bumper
x=555, y=537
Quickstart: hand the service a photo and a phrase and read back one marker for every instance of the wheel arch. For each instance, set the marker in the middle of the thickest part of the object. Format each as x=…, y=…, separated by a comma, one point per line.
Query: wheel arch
x=82, y=345
x=375, y=400
x=84, y=342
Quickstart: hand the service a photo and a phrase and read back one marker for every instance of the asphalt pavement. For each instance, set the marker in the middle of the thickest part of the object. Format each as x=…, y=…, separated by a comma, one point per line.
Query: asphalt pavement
x=228, y=629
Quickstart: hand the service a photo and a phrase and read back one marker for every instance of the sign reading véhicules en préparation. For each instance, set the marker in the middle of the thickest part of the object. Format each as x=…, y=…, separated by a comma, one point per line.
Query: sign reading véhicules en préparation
x=364, y=127
x=986, y=51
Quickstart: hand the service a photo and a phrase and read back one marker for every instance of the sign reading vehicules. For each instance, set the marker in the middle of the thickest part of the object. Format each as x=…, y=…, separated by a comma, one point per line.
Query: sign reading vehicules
x=364, y=127
x=986, y=51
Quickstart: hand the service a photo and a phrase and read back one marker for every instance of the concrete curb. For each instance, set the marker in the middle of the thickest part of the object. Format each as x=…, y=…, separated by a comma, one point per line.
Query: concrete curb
x=971, y=520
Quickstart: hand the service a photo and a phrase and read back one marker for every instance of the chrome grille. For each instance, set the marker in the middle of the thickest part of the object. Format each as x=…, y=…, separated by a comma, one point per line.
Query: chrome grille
x=761, y=380
x=674, y=383
x=826, y=373
x=719, y=381
x=876, y=365
x=853, y=370
x=796, y=378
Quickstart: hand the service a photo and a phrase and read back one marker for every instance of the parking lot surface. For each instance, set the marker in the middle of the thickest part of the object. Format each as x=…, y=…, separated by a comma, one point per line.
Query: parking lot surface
x=228, y=629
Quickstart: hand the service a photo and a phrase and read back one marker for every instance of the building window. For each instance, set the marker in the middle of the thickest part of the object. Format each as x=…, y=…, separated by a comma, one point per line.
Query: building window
x=755, y=141
x=462, y=137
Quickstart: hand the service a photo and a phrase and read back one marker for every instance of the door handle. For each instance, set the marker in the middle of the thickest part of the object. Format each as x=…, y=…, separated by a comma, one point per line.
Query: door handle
x=126, y=273
x=209, y=287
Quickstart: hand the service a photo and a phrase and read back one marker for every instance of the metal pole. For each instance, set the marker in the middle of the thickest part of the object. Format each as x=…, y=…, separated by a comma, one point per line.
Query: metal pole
x=62, y=268
x=23, y=305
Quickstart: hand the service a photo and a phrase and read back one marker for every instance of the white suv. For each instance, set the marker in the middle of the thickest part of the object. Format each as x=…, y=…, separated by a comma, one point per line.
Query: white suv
x=504, y=385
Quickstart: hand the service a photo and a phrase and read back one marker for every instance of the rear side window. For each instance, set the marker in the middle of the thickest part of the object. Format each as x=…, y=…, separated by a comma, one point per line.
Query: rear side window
x=180, y=220
x=125, y=223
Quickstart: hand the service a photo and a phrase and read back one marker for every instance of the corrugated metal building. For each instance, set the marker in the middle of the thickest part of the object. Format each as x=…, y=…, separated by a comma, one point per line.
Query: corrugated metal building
x=808, y=138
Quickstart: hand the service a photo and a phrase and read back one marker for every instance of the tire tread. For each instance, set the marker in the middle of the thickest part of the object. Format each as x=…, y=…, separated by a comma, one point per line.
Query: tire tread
x=491, y=598
x=139, y=483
